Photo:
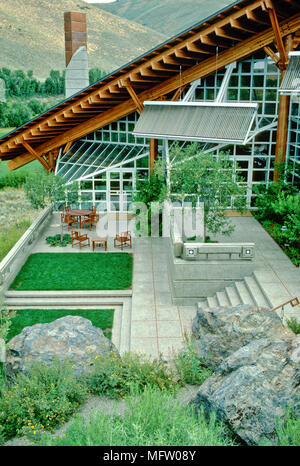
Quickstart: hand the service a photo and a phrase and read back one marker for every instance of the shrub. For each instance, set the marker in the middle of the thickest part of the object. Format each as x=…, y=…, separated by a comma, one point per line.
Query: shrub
x=190, y=369
x=115, y=377
x=44, y=398
x=288, y=431
x=43, y=188
x=155, y=418
x=294, y=325
x=56, y=240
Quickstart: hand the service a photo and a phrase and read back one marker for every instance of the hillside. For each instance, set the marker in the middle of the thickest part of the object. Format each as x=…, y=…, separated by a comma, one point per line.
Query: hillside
x=32, y=36
x=168, y=16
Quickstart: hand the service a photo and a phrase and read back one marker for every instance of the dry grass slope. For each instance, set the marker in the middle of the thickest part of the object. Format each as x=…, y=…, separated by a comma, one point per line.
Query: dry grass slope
x=168, y=16
x=32, y=36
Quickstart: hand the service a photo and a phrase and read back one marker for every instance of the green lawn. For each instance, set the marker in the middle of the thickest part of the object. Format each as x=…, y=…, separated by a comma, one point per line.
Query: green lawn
x=75, y=271
x=102, y=318
x=4, y=131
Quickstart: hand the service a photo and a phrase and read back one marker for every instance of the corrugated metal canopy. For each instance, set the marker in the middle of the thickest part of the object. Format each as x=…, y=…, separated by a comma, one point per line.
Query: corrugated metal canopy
x=291, y=80
x=197, y=121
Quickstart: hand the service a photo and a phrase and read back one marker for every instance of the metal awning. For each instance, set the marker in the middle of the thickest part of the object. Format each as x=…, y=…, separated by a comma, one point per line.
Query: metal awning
x=291, y=80
x=197, y=121
x=86, y=159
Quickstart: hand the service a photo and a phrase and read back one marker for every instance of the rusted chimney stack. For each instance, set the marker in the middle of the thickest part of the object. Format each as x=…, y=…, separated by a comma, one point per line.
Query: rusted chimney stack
x=75, y=33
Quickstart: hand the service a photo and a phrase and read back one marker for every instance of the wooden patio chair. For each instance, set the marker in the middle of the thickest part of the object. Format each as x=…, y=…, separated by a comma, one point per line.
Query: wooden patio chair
x=123, y=240
x=91, y=220
x=79, y=239
x=70, y=220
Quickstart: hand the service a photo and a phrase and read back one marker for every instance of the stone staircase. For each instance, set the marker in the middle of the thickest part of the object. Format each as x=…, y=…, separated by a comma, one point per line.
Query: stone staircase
x=250, y=291
x=246, y=291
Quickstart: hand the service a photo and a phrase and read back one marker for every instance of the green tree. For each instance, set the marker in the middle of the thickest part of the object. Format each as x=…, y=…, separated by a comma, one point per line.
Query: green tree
x=95, y=74
x=211, y=180
x=43, y=189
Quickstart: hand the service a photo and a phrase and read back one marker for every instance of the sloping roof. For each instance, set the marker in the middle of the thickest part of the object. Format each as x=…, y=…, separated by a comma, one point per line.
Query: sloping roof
x=235, y=32
x=291, y=80
x=196, y=121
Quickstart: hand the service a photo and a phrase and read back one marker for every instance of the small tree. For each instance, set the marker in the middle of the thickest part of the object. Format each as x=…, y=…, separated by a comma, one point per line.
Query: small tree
x=44, y=188
x=211, y=180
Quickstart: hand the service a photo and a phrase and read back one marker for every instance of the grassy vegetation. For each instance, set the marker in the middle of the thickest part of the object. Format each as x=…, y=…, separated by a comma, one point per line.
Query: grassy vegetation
x=16, y=178
x=73, y=271
x=9, y=236
x=294, y=325
x=156, y=418
x=101, y=318
x=4, y=131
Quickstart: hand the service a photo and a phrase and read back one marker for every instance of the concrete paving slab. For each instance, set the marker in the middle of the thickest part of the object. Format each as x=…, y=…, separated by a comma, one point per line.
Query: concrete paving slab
x=143, y=329
x=169, y=329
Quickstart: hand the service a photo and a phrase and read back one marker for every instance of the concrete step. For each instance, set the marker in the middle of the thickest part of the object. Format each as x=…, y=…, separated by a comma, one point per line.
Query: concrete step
x=243, y=293
x=260, y=285
x=222, y=299
x=61, y=303
x=255, y=292
x=232, y=295
x=212, y=301
x=68, y=294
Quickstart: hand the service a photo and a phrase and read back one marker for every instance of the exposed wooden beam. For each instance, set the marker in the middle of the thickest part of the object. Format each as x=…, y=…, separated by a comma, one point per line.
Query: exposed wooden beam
x=237, y=25
x=221, y=33
x=283, y=117
x=277, y=32
x=135, y=98
x=153, y=151
x=272, y=54
x=36, y=155
x=256, y=19
x=67, y=147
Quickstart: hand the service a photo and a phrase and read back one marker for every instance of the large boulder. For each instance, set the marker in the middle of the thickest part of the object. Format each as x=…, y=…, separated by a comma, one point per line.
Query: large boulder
x=70, y=338
x=220, y=331
x=253, y=387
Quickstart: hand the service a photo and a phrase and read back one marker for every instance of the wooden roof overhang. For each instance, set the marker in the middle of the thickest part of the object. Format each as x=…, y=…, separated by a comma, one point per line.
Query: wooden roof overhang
x=232, y=34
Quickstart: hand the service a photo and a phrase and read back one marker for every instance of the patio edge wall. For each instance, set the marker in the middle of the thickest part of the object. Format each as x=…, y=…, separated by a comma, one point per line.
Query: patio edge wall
x=17, y=256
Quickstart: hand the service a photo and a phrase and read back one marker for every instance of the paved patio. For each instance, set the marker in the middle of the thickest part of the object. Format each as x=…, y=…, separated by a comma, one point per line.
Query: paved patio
x=157, y=325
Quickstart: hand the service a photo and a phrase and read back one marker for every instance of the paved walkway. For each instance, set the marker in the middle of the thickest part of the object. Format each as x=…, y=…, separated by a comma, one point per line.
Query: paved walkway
x=157, y=326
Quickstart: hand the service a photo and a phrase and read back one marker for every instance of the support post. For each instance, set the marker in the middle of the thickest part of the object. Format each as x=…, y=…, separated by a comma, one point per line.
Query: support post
x=283, y=117
x=168, y=167
x=153, y=144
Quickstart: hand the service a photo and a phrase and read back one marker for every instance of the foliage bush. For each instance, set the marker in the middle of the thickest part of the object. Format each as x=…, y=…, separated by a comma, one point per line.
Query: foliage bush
x=154, y=418
x=190, y=369
x=56, y=240
x=43, y=399
x=44, y=188
x=278, y=209
x=294, y=325
x=115, y=377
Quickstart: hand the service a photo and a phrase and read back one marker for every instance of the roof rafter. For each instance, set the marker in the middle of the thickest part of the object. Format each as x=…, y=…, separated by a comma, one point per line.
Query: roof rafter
x=204, y=68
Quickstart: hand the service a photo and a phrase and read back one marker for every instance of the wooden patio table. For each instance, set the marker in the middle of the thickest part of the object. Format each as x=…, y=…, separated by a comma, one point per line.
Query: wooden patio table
x=100, y=242
x=79, y=213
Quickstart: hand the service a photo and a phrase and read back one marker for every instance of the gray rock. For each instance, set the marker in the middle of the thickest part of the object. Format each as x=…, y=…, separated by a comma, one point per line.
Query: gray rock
x=70, y=338
x=220, y=331
x=252, y=388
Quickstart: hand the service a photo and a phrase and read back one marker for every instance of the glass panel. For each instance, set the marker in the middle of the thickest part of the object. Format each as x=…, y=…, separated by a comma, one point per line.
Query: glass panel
x=115, y=185
x=100, y=185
